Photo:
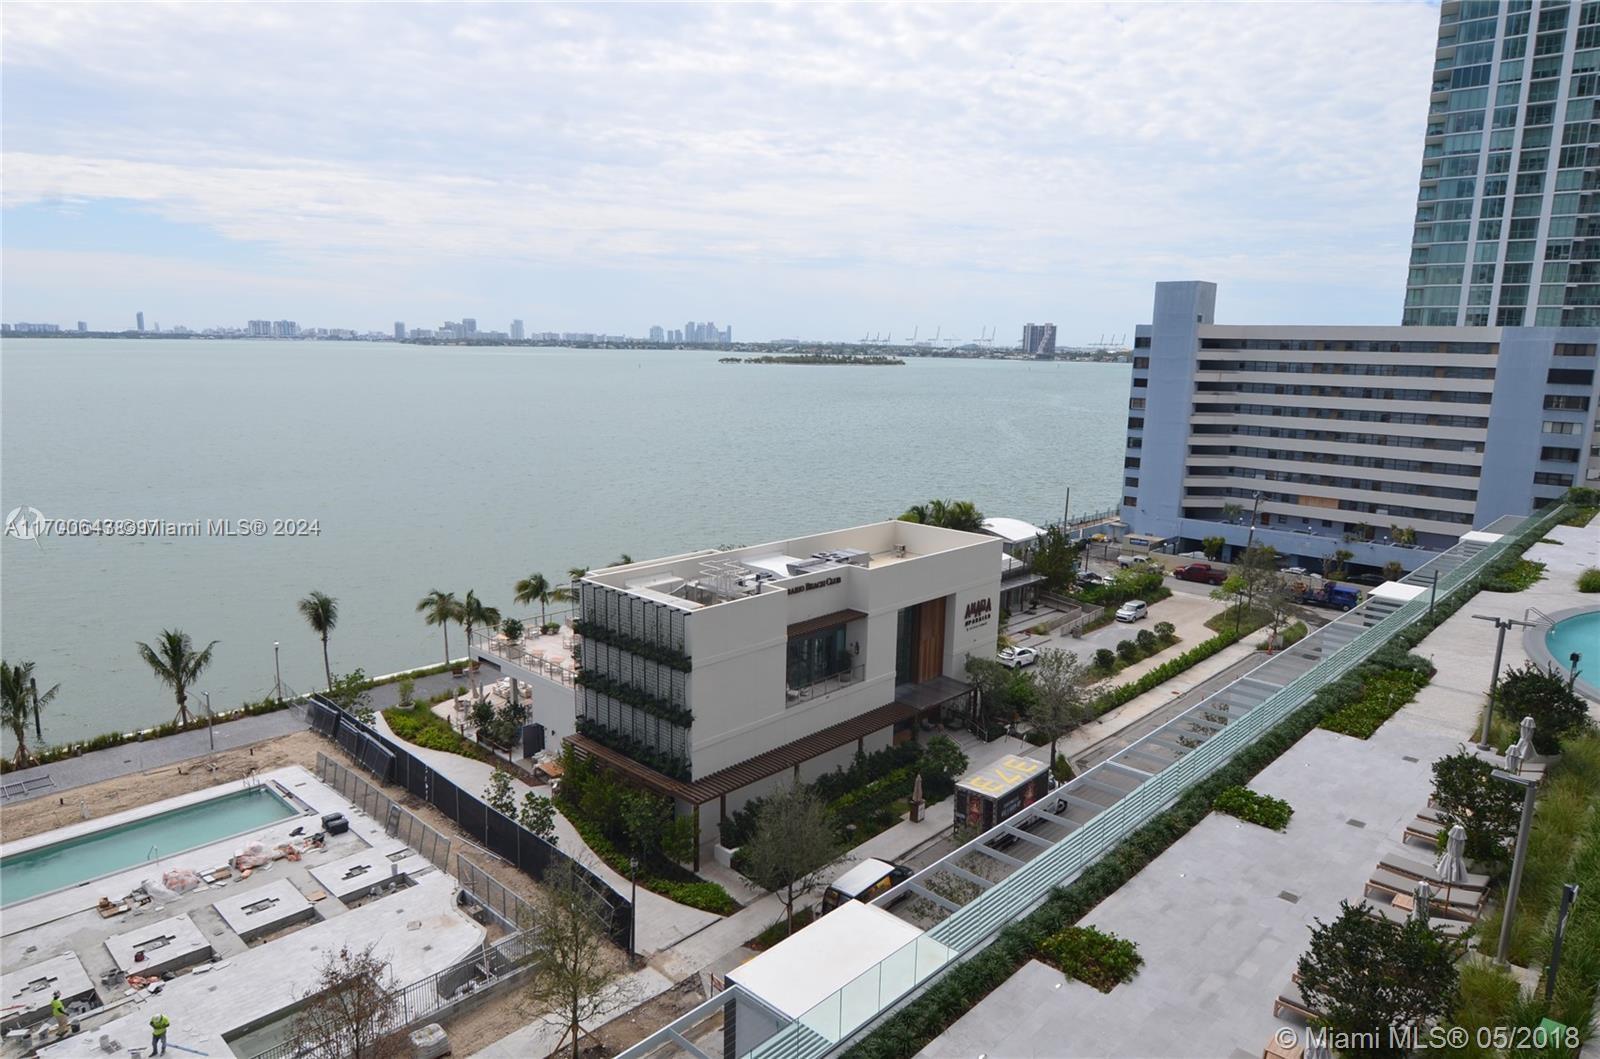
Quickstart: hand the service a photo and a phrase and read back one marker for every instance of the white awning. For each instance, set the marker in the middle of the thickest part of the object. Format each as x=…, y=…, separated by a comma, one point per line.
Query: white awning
x=1012, y=530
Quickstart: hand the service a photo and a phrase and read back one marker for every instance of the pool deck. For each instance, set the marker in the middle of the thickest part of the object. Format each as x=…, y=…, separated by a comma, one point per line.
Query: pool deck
x=256, y=973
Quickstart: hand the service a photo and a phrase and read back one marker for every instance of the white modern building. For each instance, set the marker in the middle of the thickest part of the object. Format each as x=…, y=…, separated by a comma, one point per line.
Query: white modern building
x=1381, y=441
x=716, y=676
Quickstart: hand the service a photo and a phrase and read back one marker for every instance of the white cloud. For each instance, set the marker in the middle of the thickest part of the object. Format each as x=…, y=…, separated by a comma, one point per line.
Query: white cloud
x=1069, y=147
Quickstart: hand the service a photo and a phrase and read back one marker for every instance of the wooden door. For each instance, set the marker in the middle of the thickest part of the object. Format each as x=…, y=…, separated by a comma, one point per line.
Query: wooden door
x=930, y=640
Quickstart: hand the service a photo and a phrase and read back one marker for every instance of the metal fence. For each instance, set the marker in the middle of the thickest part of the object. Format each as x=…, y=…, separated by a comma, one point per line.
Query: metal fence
x=398, y=822
x=492, y=894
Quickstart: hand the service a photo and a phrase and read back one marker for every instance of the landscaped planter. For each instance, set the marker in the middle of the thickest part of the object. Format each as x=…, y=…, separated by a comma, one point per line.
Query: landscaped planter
x=723, y=855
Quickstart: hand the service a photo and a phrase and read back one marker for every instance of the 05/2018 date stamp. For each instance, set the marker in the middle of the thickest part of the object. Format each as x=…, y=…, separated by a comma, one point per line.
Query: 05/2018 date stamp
x=29, y=523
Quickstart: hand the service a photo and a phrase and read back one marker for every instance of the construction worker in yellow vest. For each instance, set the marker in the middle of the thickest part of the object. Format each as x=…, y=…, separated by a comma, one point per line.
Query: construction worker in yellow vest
x=158, y=1034
x=58, y=1011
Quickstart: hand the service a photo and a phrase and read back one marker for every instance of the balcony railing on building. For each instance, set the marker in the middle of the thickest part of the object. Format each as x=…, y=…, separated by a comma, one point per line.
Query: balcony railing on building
x=805, y=690
x=552, y=656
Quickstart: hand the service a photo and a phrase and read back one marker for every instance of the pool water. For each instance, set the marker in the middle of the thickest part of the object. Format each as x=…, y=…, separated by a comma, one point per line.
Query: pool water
x=76, y=860
x=1579, y=634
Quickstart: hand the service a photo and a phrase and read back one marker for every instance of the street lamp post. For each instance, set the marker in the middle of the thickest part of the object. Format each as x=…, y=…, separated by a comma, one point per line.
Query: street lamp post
x=1517, y=859
x=1569, y=894
x=277, y=676
x=1502, y=624
x=1572, y=672
x=211, y=722
x=1249, y=542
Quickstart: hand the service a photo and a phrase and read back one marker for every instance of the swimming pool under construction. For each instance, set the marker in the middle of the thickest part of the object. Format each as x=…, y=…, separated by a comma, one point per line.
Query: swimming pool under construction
x=216, y=909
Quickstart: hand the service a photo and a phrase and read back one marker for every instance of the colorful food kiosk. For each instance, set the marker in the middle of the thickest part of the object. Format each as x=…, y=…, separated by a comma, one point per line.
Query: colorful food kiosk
x=999, y=791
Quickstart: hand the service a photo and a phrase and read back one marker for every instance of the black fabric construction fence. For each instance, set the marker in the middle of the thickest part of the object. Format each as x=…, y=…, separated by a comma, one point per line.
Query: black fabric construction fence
x=391, y=762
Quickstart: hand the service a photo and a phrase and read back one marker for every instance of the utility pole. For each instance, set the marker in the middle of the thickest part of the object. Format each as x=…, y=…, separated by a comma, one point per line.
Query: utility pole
x=1517, y=859
x=1066, y=511
x=277, y=676
x=211, y=723
x=1502, y=624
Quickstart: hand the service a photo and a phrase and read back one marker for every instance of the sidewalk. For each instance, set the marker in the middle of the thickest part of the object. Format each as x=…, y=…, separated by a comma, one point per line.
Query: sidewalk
x=659, y=923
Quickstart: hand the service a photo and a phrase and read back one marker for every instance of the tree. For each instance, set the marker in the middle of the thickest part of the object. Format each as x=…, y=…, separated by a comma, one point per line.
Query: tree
x=1212, y=547
x=1393, y=571
x=947, y=514
x=321, y=612
x=1255, y=573
x=1546, y=695
x=990, y=678
x=942, y=761
x=1466, y=793
x=1365, y=975
x=793, y=844
x=1333, y=563
x=20, y=699
x=440, y=608
x=1055, y=559
x=512, y=629
x=1060, y=706
x=474, y=612
x=538, y=816
x=1105, y=659
x=177, y=664
x=350, y=693
x=533, y=589
x=350, y=1008
x=499, y=796
x=572, y=969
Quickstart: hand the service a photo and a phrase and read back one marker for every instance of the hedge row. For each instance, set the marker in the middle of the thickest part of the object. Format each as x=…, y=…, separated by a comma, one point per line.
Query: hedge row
x=706, y=896
x=907, y=1032
x=1253, y=808
x=1124, y=693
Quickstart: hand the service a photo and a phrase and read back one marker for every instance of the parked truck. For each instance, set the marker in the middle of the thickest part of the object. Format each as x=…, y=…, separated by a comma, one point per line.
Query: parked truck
x=1205, y=573
x=1327, y=594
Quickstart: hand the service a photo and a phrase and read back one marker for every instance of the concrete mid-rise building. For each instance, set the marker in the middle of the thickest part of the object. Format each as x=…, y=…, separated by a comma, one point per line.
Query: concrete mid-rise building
x=1508, y=206
x=517, y=331
x=719, y=675
x=1039, y=340
x=139, y=321
x=1382, y=441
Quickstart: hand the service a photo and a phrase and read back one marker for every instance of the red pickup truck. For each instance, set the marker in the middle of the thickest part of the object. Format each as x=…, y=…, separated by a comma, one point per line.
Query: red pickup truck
x=1202, y=572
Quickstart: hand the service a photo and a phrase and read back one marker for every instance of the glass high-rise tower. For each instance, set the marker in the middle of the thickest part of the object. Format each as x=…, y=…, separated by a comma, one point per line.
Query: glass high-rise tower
x=1508, y=210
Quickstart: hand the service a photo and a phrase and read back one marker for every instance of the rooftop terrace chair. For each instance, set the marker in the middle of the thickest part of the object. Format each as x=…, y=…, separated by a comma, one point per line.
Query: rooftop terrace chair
x=1464, y=904
x=1421, y=869
x=1425, y=830
x=1291, y=999
x=1453, y=928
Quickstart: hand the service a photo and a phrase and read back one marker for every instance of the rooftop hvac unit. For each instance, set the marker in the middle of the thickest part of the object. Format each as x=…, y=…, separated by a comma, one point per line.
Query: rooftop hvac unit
x=847, y=556
x=805, y=566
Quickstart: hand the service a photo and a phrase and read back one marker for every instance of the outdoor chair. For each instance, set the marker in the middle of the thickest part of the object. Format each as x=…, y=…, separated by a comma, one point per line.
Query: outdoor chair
x=1425, y=830
x=1453, y=928
x=1457, y=902
x=1419, y=869
x=1291, y=999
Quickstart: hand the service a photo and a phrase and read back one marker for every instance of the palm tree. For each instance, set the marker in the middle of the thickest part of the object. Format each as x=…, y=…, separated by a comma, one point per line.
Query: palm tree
x=534, y=588
x=916, y=513
x=475, y=612
x=321, y=612
x=623, y=560
x=19, y=696
x=577, y=573
x=963, y=515
x=177, y=664
x=440, y=608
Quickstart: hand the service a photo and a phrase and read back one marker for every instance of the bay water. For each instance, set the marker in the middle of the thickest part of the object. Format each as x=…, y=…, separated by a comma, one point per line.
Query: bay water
x=461, y=468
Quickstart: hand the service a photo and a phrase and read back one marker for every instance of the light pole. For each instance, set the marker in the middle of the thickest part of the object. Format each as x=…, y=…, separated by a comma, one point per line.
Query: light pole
x=1249, y=542
x=211, y=722
x=1499, y=647
x=1517, y=858
x=277, y=676
x=1572, y=674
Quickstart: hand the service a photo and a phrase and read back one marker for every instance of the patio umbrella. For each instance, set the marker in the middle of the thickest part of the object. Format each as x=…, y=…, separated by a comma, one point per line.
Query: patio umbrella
x=1524, y=743
x=916, y=789
x=1514, y=758
x=1452, y=866
x=1419, y=904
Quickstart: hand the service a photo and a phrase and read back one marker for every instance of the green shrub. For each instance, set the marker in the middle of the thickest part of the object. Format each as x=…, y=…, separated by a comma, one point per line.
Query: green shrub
x=427, y=729
x=1098, y=959
x=1544, y=695
x=1127, y=650
x=1166, y=632
x=1247, y=805
x=1380, y=696
x=1123, y=693
x=1589, y=580
x=1147, y=642
x=1519, y=575
x=1105, y=659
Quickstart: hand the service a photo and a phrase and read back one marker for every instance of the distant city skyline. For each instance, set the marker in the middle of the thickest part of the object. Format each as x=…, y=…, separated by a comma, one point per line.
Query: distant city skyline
x=1051, y=172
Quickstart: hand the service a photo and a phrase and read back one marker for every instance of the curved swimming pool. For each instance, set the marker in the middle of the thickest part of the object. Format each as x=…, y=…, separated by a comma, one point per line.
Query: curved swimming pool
x=1579, y=634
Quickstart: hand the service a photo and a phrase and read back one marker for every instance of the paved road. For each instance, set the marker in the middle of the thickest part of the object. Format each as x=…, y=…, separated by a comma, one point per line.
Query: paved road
x=43, y=780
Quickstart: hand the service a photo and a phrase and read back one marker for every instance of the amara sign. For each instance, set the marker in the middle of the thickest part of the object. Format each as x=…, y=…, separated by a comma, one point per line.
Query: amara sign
x=979, y=611
x=795, y=590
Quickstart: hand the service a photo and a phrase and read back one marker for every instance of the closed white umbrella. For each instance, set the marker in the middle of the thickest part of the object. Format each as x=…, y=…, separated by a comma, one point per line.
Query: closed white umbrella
x=1419, y=904
x=1514, y=759
x=1524, y=743
x=1452, y=864
x=1316, y=1046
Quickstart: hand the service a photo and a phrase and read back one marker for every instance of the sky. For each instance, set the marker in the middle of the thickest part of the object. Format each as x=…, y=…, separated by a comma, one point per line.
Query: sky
x=811, y=171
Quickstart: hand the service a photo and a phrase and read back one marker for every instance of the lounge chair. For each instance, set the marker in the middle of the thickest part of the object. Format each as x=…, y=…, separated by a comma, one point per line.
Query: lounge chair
x=1457, y=902
x=1291, y=999
x=1453, y=928
x=1425, y=831
x=1421, y=869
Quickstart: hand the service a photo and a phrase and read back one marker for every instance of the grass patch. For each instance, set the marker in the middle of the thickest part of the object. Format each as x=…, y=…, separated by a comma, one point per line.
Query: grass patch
x=1381, y=695
x=1520, y=575
x=780, y=930
x=427, y=729
x=1589, y=580
x=1251, y=619
x=1091, y=956
x=1581, y=516
x=1288, y=636
x=1247, y=805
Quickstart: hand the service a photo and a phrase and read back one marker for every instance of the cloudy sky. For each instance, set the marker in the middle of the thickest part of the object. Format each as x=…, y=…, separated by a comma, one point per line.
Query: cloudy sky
x=815, y=171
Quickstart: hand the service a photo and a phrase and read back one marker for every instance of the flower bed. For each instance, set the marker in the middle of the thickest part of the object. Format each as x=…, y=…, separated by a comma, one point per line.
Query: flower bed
x=1253, y=808
x=1378, y=699
x=427, y=729
x=1098, y=959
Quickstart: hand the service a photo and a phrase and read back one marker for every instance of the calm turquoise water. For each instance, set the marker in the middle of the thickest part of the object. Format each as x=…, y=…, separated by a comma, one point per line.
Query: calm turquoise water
x=1580, y=634
x=76, y=860
x=459, y=468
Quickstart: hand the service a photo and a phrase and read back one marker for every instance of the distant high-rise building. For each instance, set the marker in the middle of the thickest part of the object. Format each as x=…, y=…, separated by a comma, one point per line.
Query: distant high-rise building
x=36, y=329
x=399, y=330
x=82, y=327
x=516, y=331
x=727, y=335
x=656, y=334
x=1039, y=340
x=1507, y=229
x=140, y=318
x=255, y=328
x=469, y=326
x=285, y=329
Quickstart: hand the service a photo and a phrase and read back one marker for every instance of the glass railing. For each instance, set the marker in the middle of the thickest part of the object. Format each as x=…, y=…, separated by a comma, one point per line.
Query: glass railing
x=805, y=691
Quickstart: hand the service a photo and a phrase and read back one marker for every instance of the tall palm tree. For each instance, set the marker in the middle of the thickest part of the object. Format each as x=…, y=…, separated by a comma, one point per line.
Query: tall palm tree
x=475, y=612
x=963, y=515
x=321, y=612
x=534, y=588
x=19, y=696
x=576, y=573
x=623, y=560
x=915, y=513
x=177, y=664
x=440, y=608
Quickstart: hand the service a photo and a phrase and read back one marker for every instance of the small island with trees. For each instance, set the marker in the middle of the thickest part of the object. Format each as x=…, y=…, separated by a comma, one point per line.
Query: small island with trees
x=872, y=359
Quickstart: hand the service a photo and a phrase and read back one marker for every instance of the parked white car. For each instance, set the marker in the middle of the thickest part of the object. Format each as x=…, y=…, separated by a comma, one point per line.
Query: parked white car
x=1017, y=657
x=1133, y=610
x=1126, y=561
